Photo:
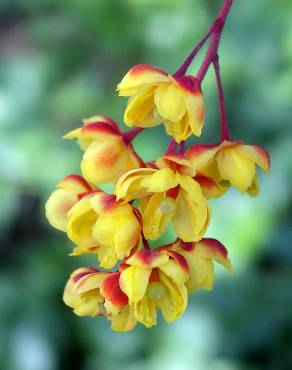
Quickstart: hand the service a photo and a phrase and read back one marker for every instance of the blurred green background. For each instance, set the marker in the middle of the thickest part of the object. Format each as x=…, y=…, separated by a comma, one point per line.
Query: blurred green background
x=60, y=62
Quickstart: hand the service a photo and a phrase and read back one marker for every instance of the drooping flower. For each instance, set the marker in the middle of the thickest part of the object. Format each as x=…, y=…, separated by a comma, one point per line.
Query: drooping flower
x=200, y=256
x=168, y=192
x=91, y=292
x=155, y=280
x=230, y=163
x=157, y=97
x=101, y=225
x=82, y=292
x=107, y=152
x=69, y=191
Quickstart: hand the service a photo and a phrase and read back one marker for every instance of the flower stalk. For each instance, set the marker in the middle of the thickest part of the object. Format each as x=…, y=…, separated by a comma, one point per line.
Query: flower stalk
x=223, y=118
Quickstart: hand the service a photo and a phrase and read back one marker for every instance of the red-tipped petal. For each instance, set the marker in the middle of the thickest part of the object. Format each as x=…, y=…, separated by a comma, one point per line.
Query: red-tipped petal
x=207, y=184
x=179, y=259
x=213, y=249
x=77, y=275
x=148, y=258
x=111, y=290
x=75, y=183
x=257, y=154
x=177, y=162
x=102, y=119
x=96, y=128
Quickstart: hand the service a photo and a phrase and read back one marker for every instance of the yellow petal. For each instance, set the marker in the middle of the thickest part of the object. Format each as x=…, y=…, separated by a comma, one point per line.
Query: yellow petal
x=160, y=181
x=170, y=102
x=134, y=281
x=124, y=321
x=236, y=168
x=254, y=189
x=127, y=235
x=173, y=270
x=103, y=230
x=129, y=187
x=139, y=77
x=201, y=154
x=81, y=219
x=140, y=110
x=256, y=154
x=195, y=112
x=57, y=207
x=78, y=251
x=201, y=273
x=179, y=130
x=155, y=220
x=145, y=312
x=191, y=218
x=90, y=304
x=107, y=256
x=104, y=162
x=174, y=302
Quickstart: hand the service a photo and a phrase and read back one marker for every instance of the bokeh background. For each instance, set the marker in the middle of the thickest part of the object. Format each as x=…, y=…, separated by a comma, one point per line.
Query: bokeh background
x=60, y=62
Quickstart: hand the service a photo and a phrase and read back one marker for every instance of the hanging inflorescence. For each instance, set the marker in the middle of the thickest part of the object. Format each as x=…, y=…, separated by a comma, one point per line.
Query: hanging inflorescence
x=148, y=196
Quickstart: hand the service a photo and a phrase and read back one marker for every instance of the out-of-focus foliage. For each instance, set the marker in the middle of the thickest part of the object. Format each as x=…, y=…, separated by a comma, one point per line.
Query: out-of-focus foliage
x=60, y=62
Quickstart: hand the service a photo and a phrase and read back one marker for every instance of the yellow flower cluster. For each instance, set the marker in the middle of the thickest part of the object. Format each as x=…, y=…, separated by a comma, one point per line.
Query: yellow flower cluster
x=147, y=197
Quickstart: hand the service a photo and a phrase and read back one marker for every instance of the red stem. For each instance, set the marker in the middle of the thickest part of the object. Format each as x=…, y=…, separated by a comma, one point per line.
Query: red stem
x=131, y=134
x=217, y=29
x=181, y=148
x=183, y=68
x=223, y=119
x=171, y=147
x=215, y=32
x=145, y=242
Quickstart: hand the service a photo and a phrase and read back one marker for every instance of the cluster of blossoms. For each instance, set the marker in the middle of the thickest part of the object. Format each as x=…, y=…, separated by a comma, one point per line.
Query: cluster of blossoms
x=136, y=280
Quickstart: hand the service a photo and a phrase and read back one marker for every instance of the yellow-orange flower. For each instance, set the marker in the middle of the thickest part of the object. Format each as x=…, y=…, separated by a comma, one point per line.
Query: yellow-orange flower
x=155, y=280
x=168, y=192
x=230, y=163
x=99, y=224
x=91, y=292
x=200, y=257
x=69, y=191
x=157, y=97
x=82, y=292
x=107, y=153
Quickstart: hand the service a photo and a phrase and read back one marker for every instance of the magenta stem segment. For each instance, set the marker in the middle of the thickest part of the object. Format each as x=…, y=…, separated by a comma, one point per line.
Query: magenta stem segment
x=183, y=68
x=217, y=29
x=131, y=134
x=214, y=32
x=223, y=119
x=171, y=147
x=181, y=148
x=145, y=242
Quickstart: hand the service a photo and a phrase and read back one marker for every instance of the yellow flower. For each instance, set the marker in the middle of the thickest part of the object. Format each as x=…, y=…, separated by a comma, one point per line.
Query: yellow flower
x=107, y=153
x=69, y=191
x=200, y=256
x=168, y=192
x=155, y=280
x=157, y=97
x=230, y=163
x=101, y=225
x=82, y=292
x=93, y=293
